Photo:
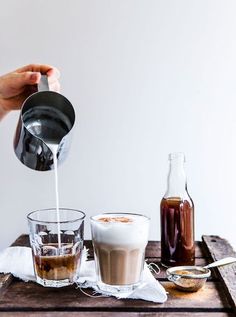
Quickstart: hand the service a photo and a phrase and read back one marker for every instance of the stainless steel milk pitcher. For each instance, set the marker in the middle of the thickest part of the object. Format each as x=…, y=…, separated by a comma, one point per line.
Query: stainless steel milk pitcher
x=46, y=117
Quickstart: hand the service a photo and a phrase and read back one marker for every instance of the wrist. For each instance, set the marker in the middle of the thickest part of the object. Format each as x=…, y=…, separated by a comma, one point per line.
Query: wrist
x=3, y=110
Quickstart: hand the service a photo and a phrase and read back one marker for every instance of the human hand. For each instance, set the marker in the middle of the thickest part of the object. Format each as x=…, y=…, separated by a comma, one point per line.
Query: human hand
x=16, y=86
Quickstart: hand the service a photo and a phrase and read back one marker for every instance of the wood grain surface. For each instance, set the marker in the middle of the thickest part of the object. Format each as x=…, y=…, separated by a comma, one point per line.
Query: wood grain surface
x=114, y=314
x=216, y=299
x=219, y=248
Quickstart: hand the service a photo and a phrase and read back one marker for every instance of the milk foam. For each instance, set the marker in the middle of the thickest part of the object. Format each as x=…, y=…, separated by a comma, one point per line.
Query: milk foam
x=134, y=232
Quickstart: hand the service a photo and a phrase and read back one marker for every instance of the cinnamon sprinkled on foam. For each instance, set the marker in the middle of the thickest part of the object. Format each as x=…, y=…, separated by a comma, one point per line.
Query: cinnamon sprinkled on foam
x=115, y=219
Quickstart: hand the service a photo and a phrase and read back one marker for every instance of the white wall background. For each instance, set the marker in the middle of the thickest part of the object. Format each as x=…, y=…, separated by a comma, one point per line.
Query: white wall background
x=146, y=78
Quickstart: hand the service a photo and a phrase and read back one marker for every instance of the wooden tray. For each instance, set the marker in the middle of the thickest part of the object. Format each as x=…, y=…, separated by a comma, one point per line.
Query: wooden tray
x=216, y=299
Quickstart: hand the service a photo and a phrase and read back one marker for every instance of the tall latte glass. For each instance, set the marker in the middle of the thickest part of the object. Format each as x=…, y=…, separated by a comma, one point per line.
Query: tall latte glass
x=56, y=246
x=119, y=241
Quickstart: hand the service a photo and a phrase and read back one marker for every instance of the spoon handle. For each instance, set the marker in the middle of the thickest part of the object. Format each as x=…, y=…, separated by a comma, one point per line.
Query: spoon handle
x=221, y=262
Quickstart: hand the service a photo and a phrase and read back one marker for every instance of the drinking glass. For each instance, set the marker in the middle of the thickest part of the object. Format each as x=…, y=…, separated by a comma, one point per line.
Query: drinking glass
x=56, y=245
x=119, y=241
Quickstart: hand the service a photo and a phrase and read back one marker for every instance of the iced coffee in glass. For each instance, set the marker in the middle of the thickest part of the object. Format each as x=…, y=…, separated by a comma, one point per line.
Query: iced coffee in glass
x=56, y=246
x=119, y=241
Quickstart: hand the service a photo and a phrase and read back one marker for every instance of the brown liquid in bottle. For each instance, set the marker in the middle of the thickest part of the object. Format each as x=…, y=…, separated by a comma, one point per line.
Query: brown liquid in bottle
x=177, y=231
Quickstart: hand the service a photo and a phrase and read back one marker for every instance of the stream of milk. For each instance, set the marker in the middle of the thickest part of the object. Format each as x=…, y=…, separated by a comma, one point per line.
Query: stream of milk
x=54, y=147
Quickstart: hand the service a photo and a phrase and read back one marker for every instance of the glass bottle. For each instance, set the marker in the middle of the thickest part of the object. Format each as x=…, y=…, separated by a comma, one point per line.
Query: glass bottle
x=177, y=217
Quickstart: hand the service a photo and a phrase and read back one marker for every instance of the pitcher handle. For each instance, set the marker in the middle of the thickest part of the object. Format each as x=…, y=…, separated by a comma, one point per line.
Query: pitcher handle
x=43, y=84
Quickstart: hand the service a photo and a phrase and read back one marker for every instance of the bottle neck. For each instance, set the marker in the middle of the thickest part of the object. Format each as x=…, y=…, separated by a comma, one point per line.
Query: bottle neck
x=176, y=181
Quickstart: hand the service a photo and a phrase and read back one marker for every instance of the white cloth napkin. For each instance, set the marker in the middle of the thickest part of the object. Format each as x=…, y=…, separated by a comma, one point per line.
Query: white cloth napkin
x=18, y=261
x=150, y=289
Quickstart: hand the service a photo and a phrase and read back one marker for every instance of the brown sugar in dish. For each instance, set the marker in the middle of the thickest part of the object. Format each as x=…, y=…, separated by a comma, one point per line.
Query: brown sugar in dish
x=180, y=272
x=115, y=219
x=188, y=272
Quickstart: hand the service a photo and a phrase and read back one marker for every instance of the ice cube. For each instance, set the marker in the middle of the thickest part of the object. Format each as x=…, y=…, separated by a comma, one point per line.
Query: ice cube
x=66, y=249
x=48, y=250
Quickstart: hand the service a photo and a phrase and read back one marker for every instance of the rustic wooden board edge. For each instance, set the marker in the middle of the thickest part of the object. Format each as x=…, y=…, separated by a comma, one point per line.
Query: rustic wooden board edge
x=25, y=297
x=113, y=314
x=219, y=248
x=5, y=280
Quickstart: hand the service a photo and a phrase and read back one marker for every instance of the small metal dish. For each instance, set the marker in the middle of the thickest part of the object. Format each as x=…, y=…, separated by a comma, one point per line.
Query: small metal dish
x=188, y=278
x=192, y=278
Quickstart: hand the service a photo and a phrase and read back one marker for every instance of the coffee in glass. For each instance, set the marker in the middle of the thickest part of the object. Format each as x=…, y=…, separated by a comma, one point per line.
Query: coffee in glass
x=56, y=261
x=119, y=241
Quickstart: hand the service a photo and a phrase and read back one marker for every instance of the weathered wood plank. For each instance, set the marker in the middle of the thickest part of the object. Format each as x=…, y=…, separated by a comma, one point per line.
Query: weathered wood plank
x=22, y=240
x=29, y=299
x=197, y=301
x=113, y=314
x=153, y=248
x=21, y=296
x=219, y=248
x=5, y=280
x=152, y=254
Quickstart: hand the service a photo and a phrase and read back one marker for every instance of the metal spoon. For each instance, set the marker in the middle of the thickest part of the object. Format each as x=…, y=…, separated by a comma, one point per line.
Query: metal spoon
x=221, y=262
